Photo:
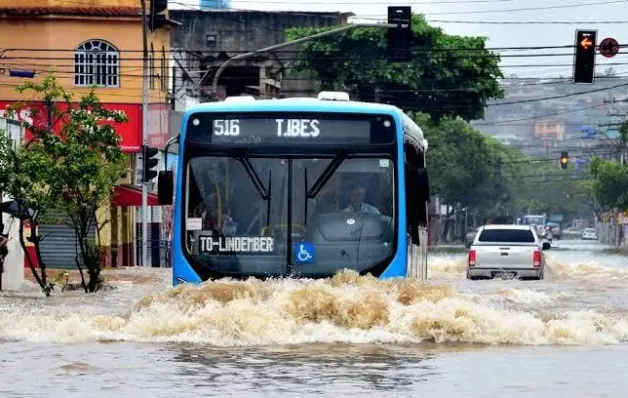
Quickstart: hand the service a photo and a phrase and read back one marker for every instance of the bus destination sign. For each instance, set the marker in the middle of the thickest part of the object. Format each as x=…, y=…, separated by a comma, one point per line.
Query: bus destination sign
x=290, y=129
x=278, y=130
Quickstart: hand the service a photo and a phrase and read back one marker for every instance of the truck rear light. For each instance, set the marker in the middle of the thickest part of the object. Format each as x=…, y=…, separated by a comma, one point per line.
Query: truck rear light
x=471, y=258
x=536, y=259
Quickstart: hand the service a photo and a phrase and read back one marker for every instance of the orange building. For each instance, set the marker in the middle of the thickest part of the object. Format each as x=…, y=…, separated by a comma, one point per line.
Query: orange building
x=92, y=42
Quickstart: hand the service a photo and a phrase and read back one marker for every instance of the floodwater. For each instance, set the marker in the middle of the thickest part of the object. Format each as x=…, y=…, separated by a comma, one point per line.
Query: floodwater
x=564, y=336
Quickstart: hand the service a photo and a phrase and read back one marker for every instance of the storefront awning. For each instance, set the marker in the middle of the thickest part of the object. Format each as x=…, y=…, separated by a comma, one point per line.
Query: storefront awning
x=128, y=195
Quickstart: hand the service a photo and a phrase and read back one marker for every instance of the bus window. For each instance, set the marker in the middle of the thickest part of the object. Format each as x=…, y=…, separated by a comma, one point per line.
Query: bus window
x=350, y=219
x=255, y=203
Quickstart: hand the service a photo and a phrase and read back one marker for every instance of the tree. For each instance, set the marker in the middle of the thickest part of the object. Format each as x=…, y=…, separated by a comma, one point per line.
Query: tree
x=27, y=170
x=460, y=160
x=448, y=76
x=73, y=168
x=465, y=166
x=91, y=163
x=611, y=183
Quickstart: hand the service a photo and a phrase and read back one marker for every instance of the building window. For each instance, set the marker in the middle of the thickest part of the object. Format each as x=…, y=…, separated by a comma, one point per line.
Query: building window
x=97, y=62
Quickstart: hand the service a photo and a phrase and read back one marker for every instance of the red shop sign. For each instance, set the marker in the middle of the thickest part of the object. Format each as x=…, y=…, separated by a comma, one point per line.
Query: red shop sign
x=131, y=131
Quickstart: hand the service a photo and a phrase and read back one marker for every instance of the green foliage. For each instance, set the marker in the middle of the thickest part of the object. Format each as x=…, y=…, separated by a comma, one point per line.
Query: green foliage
x=74, y=169
x=611, y=183
x=462, y=162
x=449, y=75
x=91, y=163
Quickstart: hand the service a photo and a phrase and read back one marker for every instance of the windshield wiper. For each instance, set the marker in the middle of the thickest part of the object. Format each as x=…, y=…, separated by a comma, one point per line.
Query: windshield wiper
x=321, y=181
x=270, y=188
x=264, y=193
x=325, y=176
x=306, y=192
x=250, y=170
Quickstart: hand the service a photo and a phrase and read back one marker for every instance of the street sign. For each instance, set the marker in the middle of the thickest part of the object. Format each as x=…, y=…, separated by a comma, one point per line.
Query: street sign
x=609, y=47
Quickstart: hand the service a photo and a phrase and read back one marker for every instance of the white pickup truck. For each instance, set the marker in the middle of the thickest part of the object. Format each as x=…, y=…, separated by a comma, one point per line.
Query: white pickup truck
x=508, y=252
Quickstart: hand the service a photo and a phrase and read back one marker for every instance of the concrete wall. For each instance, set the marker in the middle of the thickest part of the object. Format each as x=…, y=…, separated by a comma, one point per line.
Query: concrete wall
x=208, y=38
x=613, y=234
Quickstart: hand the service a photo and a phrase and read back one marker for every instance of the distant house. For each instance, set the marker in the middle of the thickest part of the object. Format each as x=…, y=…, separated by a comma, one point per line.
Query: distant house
x=550, y=129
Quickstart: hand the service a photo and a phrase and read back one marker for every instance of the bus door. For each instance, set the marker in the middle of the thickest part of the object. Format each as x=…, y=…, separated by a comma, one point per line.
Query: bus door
x=417, y=194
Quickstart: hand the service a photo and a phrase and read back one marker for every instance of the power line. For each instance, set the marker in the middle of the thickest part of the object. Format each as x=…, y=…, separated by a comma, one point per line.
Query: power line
x=426, y=49
x=530, y=22
x=357, y=4
x=561, y=96
x=529, y=8
x=409, y=102
x=41, y=67
x=356, y=56
x=538, y=116
x=415, y=2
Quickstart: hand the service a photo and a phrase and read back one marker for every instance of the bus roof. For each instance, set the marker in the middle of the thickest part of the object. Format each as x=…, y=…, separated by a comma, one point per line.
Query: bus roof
x=294, y=105
x=303, y=105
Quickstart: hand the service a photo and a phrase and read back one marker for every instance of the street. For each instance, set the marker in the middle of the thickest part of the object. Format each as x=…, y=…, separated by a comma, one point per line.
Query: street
x=260, y=341
x=582, y=275
x=266, y=198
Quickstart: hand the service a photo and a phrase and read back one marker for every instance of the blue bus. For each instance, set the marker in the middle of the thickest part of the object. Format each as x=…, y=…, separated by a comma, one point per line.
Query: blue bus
x=297, y=188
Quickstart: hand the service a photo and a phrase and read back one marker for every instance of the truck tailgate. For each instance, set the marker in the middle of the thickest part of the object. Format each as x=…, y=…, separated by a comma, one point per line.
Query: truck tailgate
x=504, y=256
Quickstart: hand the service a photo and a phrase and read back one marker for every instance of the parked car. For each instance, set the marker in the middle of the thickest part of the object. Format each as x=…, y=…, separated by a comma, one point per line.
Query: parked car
x=572, y=233
x=506, y=251
x=589, y=234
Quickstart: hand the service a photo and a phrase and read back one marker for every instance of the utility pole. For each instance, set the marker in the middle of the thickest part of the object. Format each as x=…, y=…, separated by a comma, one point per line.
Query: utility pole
x=144, y=131
x=214, y=87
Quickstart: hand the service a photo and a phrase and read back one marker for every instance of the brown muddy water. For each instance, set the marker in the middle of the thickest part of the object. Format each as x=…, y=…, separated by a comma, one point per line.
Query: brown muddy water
x=564, y=336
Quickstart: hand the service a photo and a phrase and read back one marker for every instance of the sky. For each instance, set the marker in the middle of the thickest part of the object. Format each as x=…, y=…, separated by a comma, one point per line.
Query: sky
x=608, y=17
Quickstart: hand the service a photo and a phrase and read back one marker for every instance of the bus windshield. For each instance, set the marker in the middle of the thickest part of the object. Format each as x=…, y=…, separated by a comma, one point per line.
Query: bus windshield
x=338, y=212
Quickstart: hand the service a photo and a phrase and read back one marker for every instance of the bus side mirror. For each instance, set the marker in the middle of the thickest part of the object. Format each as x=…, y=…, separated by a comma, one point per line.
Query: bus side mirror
x=165, y=188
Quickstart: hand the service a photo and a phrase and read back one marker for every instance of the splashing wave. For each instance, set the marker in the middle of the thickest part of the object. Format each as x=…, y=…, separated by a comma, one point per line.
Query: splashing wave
x=347, y=308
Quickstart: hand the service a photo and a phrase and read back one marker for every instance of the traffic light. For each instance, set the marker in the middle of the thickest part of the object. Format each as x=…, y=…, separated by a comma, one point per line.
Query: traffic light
x=564, y=160
x=156, y=19
x=400, y=37
x=584, y=58
x=148, y=157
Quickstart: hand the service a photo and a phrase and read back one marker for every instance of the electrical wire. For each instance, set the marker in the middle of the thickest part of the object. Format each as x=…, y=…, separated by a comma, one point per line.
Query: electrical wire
x=580, y=23
x=362, y=3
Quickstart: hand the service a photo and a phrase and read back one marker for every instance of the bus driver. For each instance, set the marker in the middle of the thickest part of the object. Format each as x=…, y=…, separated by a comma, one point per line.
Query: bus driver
x=357, y=204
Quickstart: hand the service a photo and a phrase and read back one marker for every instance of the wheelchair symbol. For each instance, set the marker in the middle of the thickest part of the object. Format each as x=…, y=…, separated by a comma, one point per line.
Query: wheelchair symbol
x=305, y=253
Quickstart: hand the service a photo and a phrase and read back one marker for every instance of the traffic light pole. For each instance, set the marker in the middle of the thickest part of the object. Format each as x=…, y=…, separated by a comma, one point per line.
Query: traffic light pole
x=214, y=87
x=144, y=133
